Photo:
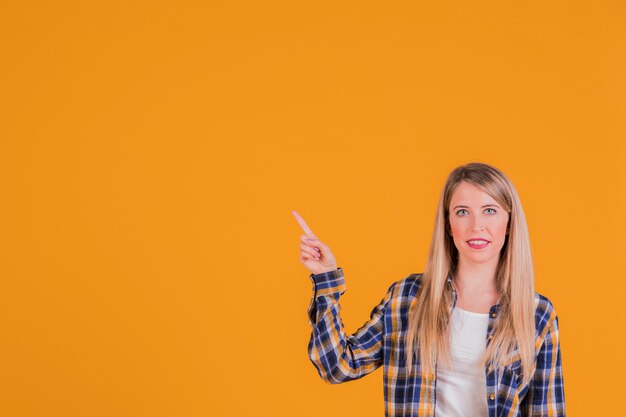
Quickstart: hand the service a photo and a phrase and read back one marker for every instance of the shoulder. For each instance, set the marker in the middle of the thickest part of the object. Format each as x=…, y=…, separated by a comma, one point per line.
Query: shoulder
x=545, y=314
x=406, y=287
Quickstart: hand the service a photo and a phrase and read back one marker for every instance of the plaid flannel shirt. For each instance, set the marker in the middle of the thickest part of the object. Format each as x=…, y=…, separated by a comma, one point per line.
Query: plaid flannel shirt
x=341, y=357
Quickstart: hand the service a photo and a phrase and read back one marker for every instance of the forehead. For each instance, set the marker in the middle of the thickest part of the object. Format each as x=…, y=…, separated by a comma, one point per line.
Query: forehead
x=470, y=195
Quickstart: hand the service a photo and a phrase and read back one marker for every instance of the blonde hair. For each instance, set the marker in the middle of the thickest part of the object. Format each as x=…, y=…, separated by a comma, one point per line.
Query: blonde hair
x=429, y=315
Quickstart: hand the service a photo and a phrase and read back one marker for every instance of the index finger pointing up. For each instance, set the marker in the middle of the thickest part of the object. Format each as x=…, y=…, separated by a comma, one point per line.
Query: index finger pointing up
x=303, y=225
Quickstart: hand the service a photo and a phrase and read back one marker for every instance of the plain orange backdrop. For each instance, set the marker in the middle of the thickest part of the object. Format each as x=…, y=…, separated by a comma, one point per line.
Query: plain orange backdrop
x=151, y=154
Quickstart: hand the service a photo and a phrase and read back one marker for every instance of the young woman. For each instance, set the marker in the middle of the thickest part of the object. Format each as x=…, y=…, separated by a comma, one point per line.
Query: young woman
x=467, y=337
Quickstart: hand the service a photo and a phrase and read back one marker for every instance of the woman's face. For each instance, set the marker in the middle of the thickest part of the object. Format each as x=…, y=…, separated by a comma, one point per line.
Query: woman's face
x=475, y=215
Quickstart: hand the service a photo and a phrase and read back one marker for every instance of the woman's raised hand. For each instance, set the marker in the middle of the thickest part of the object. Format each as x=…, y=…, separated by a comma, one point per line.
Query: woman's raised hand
x=315, y=255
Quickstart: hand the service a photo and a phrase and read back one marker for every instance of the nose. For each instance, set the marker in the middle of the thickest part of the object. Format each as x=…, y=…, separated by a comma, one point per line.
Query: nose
x=477, y=224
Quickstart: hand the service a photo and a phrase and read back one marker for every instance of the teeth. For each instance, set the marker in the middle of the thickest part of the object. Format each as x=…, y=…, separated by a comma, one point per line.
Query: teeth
x=477, y=242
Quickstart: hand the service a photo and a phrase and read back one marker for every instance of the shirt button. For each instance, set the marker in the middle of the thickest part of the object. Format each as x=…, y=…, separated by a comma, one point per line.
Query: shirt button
x=491, y=396
x=493, y=314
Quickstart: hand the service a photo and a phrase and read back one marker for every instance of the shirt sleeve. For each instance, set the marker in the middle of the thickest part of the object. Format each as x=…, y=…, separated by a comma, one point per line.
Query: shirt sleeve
x=546, y=396
x=338, y=356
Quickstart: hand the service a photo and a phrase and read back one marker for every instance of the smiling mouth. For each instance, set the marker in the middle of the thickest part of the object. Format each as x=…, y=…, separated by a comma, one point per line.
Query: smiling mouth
x=477, y=244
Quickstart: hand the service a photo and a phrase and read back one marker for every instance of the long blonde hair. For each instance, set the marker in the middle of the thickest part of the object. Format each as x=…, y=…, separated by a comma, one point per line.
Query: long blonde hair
x=429, y=315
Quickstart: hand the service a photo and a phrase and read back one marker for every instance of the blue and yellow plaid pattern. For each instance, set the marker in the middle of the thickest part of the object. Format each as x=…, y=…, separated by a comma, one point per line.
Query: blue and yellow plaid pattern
x=341, y=357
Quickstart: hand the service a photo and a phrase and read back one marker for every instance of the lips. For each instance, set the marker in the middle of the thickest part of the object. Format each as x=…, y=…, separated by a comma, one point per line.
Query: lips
x=477, y=243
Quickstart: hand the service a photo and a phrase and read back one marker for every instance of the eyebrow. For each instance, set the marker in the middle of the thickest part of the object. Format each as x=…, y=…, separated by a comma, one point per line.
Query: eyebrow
x=486, y=205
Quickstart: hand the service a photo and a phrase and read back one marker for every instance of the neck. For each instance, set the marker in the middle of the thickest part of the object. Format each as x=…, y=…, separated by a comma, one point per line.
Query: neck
x=476, y=278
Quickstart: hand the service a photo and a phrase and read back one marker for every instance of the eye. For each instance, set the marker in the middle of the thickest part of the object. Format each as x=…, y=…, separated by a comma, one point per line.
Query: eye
x=459, y=211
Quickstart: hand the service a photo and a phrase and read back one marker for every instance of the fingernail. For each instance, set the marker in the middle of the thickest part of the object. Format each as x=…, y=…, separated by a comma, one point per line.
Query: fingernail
x=310, y=240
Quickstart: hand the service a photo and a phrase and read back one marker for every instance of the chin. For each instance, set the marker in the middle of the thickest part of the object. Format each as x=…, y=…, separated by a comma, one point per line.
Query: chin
x=478, y=259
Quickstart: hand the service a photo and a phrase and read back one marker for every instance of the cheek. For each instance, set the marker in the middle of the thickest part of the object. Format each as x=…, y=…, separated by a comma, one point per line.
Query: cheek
x=453, y=225
x=503, y=226
x=456, y=232
x=453, y=231
x=500, y=232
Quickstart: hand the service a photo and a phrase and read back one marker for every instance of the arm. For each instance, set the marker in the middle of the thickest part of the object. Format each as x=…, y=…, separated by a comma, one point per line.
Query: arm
x=546, y=396
x=340, y=357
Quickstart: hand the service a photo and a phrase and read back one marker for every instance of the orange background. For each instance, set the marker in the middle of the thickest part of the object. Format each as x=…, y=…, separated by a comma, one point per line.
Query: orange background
x=151, y=154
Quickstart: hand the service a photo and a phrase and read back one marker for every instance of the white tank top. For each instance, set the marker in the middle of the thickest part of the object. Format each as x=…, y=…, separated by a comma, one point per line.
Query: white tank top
x=461, y=391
